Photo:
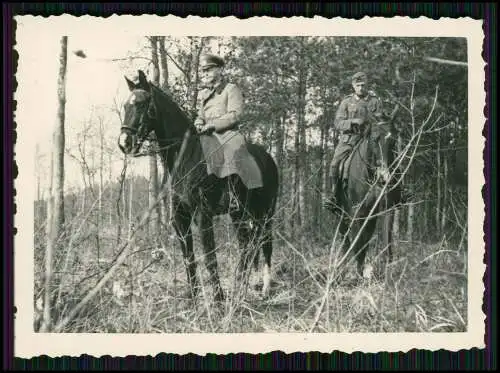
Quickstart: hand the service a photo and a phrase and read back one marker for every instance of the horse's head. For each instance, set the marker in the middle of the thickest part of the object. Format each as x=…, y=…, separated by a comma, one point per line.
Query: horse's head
x=140, y=111
x=382, y=137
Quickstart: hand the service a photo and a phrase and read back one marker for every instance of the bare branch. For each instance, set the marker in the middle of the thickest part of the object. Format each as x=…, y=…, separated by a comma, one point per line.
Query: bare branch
x=447, y=62
x=433, y=106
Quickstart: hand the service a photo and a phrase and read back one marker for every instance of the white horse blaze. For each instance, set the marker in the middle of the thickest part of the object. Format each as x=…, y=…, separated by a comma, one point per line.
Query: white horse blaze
x=122, y=140
x=132, y=99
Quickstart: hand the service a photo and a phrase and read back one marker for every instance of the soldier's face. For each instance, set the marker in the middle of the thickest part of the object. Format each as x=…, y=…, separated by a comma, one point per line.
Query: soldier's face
x=359, y=88
x=210, y=75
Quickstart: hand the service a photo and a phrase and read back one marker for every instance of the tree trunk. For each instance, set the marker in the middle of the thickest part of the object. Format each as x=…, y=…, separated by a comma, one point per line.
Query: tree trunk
x=56, y=225
x=153, y=167
x=60, y=142
x=121, y=200
x=165, y=86
x=46, y=316
x=196, y=80
x=111, y=190
x=302, y=153
x=438, y=184
x=397, y=213
x=321, y=164
x=163, y=63
x=409, y=226
x=445, y=195
x=296, y=221
x=280, y=154
x=300, y=156
x=100, y=219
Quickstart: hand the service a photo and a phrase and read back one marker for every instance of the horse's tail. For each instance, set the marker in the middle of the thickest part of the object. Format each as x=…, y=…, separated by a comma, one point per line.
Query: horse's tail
x=268, y=194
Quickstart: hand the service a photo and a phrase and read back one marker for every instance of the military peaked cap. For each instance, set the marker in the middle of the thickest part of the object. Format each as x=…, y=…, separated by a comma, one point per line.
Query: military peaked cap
x=210, y=60
x=359, y=77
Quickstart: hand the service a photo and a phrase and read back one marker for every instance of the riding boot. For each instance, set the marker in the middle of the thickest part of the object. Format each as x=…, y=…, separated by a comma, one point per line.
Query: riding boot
x=331, y=198
x=233, y=197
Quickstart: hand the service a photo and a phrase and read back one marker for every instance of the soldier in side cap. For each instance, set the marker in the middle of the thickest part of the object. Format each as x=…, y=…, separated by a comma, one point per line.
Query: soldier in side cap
x=353, y=115
x=220, y=112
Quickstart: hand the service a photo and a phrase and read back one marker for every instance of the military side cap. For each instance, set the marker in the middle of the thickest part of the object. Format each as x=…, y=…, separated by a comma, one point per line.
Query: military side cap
x=210, y=60
x=359, y=77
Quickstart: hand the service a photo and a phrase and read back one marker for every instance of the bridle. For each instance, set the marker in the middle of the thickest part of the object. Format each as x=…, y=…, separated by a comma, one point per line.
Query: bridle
x=145, y=132
x=144, y=121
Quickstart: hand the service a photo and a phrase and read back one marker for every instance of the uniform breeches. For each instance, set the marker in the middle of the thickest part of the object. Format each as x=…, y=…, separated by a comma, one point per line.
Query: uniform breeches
x=341, y=152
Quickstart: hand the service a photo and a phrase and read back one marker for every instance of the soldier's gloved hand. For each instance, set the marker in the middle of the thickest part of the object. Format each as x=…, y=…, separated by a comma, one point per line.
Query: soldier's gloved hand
x=208, y=129
x=199, y=123
x=356, y=125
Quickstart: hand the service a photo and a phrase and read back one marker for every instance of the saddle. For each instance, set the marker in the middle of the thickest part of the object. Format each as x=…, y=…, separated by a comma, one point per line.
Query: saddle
x=344, y=166
x=227, y=154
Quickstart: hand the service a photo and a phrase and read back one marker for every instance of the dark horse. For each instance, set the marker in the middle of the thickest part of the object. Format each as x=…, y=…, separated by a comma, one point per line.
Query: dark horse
x=196, y=195
x=367, y=190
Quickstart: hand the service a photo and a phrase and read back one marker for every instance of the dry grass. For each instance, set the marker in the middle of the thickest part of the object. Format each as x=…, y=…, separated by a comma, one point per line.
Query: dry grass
x=423, y=290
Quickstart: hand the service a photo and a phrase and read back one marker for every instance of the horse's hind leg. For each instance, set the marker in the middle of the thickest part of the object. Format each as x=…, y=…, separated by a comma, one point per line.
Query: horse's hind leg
x=208, y=241
x=256, y=260
x=362, y=245
x=267, y=249
x=182, y=226
x=243, y=231
x=345, y=243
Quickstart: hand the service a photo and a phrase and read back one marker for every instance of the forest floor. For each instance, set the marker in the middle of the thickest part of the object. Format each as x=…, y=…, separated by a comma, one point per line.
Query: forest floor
x=423, y=290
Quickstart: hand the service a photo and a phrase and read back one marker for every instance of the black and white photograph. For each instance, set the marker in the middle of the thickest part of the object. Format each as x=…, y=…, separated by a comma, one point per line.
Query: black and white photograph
x=224, y=185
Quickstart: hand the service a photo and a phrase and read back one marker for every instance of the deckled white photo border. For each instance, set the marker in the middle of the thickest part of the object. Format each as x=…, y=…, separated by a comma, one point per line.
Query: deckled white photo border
x=29, y=344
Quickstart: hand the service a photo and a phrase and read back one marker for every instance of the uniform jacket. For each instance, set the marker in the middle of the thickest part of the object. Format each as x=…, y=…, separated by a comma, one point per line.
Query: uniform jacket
x=354, y=107
x=222, y=106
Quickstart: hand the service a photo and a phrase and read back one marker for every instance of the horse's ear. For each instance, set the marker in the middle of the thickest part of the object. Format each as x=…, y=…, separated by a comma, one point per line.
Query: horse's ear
x=130, y=84
x=143, y=81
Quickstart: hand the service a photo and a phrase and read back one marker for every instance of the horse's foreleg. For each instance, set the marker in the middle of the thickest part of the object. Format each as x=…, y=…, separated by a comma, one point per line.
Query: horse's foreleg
x=267, y=249
x=243, y=231
x=256, y=259
x=182, y=225
x=344, y=235
x=345, y=241
x=208, y=241
x=263, y=233
x=362, y=245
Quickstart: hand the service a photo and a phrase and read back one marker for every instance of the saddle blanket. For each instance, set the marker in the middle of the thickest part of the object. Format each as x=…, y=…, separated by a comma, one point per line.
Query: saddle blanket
x=227, y=154
x=345, y=163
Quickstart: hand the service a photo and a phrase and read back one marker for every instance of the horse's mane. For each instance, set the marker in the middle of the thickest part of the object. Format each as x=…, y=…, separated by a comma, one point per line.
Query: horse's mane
x=167, y=95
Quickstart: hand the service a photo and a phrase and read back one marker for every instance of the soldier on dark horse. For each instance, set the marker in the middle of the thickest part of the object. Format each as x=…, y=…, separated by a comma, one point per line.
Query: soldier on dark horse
x=220, y=114
x=203, y=159
x=364, y=153
x=352, y=116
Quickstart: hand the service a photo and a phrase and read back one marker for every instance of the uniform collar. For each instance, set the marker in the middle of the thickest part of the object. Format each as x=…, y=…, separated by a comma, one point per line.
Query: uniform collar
x=365, y=97
x=216, y=88
x=219, y=87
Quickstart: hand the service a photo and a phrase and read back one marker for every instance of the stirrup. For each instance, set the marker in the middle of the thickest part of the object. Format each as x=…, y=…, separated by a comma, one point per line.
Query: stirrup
x=233, y=203
x=233, y=199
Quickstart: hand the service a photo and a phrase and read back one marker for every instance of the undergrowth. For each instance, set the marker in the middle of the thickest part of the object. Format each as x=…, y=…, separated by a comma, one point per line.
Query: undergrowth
x=423, y=290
